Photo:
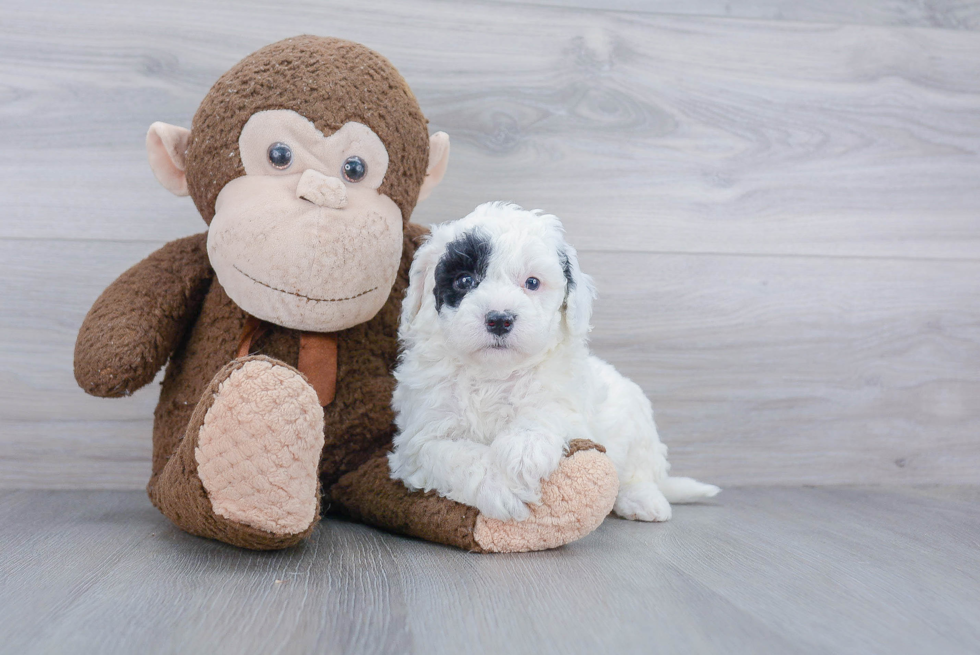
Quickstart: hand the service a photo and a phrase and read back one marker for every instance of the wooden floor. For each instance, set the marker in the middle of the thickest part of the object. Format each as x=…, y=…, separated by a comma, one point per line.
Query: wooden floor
x=774, y=570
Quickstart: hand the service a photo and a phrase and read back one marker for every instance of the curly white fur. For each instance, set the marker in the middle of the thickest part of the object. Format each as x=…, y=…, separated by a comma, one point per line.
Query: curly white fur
x=484, y=418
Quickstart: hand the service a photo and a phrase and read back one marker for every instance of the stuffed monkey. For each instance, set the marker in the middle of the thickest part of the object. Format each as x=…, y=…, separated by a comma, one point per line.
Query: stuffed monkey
x=278, y=325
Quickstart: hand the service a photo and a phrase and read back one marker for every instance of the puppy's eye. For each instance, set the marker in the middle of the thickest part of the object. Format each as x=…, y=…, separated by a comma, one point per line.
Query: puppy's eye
x=532, y=284
x=354, y=169
x=464, y=282
x=280, y=156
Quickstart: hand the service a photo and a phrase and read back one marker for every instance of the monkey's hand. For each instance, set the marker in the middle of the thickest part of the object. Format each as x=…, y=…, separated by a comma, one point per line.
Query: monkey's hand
x=138, y=320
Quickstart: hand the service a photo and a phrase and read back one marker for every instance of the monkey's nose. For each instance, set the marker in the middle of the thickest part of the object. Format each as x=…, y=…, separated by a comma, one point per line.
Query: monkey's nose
x=322, y=190
x=500, y=323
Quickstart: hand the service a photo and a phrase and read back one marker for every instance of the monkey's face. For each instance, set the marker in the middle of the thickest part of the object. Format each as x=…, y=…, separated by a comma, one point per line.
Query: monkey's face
x=304, y=239
x=306, y=205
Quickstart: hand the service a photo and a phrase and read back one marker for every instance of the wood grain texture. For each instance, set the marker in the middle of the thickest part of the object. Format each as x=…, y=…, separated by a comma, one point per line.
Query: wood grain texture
x=942, y=14
x=773, y=570
x=762, y=370
x=797, y=370
x=782, y=216
x=660, y=133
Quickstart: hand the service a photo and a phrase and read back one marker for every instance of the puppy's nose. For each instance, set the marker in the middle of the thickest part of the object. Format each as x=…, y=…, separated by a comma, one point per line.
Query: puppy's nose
x=500, y=323
x=322, y=190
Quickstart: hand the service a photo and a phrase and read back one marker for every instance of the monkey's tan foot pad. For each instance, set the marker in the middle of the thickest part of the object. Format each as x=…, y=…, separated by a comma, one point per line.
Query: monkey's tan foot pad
x=574, y=501
x=259, y=446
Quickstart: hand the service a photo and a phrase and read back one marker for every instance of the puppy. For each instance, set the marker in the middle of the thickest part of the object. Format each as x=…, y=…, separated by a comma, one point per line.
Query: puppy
x=495, y=376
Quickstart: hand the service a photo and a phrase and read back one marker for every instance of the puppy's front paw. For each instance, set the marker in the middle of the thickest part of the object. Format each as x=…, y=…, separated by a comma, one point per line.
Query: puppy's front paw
x=496, y=500
x=642, y=501
x=527, y=457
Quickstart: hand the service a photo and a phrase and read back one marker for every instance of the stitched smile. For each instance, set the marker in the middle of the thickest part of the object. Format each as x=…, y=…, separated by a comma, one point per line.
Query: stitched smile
x=299, y=295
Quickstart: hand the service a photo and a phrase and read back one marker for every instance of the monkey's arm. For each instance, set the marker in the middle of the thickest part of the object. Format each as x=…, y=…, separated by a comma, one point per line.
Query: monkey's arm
x=140, y=318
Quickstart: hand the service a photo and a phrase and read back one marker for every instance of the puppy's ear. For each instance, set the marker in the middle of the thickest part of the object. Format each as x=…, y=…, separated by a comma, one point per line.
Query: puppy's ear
x=579, y=294
x=426, y=258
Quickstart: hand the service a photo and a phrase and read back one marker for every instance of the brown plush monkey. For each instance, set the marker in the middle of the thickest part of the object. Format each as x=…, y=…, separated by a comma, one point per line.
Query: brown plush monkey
x=279, y=323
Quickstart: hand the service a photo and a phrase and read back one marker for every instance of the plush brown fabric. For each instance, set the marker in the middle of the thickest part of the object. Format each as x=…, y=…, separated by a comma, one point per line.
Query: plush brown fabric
x=180, y=495
x=148, y=308
x=358, y=422
x=576, y=445
x=362, y=86
x=171, y=307
x=370, y=495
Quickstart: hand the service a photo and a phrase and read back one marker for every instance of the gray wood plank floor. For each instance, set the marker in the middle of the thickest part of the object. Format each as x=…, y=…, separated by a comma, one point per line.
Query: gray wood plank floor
x=774, y=570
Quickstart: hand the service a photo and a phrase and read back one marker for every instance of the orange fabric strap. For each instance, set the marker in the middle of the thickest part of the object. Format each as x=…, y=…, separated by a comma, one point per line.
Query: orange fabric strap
x=318, y=362
x=253, y=329
x=317, y=356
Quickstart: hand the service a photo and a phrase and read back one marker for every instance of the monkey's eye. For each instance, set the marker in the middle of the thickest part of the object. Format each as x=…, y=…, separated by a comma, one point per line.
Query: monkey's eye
x=532, y=284
x=354, y=169
x=280, y=155
x=464, y=282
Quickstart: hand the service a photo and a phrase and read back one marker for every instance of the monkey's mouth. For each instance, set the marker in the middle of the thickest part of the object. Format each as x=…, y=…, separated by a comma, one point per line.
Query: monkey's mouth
x=300, y=295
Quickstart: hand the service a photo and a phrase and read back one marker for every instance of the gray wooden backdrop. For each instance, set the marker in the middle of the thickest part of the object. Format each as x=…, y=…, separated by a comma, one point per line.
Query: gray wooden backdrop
x=780, y=204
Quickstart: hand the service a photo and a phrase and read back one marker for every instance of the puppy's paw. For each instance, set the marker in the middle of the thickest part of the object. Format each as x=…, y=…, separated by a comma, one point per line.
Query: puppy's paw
x=495, y=499
x=526, y=457
x=642, y=501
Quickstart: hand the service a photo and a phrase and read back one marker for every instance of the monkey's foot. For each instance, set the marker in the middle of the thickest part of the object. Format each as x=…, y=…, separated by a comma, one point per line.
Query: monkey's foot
x=259, y=446
x=245, y=472
x=574, y=501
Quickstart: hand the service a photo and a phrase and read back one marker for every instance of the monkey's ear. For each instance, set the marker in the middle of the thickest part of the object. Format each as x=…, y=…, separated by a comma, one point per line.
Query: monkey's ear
x=438, y=161
x=166, y=146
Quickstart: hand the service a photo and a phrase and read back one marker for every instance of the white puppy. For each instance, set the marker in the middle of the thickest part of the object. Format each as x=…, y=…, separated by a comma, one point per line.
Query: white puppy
x=496, y=377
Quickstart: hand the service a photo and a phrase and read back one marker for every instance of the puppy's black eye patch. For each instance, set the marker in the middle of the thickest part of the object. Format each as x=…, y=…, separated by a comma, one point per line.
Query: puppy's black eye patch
x=461, y=269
